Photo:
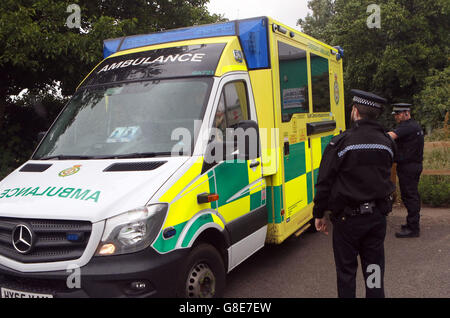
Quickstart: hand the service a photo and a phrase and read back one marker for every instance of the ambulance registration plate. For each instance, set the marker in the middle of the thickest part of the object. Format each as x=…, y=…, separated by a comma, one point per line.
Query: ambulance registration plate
x=11, y=293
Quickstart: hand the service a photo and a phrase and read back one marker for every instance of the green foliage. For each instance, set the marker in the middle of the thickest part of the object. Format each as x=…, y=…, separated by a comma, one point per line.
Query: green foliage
x=24, y=118
x=405, y=60
x=437, y=158
x=440, y=134
x=13, y=156
x=315, y=24
x=434, y=99
x=435, y=190
x=38, y=52
x=37, y=48
x=395, y=60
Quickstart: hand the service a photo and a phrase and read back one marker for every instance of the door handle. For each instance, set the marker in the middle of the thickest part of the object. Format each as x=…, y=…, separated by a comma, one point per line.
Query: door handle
x=254, y=164
x=286, y=148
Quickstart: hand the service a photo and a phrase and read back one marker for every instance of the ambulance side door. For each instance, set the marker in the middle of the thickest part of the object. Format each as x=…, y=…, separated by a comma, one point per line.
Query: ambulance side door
x=239, y=182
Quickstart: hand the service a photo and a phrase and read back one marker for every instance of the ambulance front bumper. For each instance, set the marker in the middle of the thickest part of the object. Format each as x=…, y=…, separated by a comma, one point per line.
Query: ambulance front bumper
x=143, y=274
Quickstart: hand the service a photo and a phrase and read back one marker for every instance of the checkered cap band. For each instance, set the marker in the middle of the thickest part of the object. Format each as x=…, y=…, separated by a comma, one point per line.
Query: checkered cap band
x=400, y=109
x=363, y=101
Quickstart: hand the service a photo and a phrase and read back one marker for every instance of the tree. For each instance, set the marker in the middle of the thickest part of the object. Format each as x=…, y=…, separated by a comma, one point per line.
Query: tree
x=37, y=49
x=38, y=52
x=315, y=24
x=434, y=99
x=395, y=59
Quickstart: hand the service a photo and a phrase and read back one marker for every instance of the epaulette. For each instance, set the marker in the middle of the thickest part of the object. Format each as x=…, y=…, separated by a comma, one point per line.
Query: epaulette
x=336, y=139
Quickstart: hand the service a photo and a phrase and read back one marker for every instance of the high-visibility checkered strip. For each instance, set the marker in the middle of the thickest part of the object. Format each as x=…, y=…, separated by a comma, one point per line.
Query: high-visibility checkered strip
x=365, y=147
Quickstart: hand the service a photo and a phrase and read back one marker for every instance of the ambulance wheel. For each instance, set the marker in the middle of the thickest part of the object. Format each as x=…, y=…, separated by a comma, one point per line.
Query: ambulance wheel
x=203, y=275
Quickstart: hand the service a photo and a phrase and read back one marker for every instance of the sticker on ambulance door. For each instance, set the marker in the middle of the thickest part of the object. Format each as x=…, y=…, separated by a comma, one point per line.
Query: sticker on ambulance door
x=293, y=97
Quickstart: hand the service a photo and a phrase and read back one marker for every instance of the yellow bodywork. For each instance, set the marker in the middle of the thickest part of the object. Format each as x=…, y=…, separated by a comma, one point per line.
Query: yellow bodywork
x=288, y=196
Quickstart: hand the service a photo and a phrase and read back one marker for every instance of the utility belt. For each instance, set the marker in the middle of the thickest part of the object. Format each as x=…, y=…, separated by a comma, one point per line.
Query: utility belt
x=365, y=208
x=382, y=206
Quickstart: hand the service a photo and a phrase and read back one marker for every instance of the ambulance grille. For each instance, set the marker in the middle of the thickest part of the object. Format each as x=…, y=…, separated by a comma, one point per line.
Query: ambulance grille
x=53, y=240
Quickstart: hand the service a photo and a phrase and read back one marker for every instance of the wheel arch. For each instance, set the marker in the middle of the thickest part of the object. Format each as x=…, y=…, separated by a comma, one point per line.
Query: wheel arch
x=218, y=239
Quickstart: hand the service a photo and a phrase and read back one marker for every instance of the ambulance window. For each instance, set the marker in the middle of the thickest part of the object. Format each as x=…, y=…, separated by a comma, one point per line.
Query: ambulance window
x=235, y=95
x=232, y=108
x=219, y=120
x=320, y=84
x=293, y=80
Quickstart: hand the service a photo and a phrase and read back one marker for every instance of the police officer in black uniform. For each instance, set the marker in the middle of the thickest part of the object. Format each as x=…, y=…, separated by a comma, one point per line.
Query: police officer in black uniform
x=410, y=141
x=354, y=184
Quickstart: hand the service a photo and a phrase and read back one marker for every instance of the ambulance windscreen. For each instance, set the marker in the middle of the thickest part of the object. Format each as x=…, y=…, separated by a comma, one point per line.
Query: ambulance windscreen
x=173, y=62
x=129, y=120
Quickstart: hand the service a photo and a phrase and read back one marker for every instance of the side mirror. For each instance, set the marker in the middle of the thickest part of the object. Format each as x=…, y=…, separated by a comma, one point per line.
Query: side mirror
x=246, y=138
x=41, y=135
x=218, y=151
x=241, y=142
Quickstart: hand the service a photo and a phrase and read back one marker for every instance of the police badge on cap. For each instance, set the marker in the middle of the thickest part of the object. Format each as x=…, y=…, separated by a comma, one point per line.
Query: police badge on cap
x=400, y=107
x=368, y=99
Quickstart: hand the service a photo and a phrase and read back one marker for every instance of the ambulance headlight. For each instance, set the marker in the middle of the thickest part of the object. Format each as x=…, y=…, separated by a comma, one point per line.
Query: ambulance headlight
x=132, y=231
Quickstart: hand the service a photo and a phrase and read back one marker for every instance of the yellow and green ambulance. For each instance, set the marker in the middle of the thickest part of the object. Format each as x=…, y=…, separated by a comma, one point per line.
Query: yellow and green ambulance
x=178, y=157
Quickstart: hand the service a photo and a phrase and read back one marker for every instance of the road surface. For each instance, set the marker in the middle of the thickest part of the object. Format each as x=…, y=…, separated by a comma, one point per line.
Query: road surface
x=303, y=267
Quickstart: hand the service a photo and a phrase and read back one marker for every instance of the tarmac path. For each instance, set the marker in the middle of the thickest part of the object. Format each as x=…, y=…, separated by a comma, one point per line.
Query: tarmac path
x=303, y=267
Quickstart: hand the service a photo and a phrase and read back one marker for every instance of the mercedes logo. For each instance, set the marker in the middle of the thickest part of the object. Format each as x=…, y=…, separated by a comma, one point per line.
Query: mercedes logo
x=22, y=239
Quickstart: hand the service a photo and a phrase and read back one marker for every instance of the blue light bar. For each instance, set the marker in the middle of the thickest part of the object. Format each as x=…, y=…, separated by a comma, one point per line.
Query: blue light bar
x=254, y=41
x=253, y=35
x=190, y=33
x=111, y=47
x=197, y=32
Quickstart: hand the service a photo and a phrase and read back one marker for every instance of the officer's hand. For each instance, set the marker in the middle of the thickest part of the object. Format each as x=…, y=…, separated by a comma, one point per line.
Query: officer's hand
x=322, y=225
x=393, y=135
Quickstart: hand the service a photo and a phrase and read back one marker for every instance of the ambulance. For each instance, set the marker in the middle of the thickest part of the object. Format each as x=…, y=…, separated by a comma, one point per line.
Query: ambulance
x=138, y=189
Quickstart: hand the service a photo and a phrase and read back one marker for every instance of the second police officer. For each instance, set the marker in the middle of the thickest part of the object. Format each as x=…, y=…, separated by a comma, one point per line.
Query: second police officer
x=410, y=142
x=354, y=184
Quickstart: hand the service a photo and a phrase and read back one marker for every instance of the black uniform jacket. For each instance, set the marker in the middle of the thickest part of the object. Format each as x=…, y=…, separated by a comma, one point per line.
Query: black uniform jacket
x=410, y=142
x=355, y=168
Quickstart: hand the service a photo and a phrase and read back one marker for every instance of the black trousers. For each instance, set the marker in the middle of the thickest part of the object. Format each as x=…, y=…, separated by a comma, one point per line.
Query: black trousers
x=408, y=178
x=361, y=235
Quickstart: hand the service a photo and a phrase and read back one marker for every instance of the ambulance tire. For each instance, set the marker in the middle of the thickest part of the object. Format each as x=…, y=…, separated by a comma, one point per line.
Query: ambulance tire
x=203, y=275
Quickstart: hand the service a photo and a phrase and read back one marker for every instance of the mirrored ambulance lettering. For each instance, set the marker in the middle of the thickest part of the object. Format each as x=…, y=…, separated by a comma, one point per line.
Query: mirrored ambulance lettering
x=62, y=192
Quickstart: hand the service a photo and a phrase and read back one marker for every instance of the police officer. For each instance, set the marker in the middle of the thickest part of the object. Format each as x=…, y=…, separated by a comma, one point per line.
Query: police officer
x=354, y=183
x=410, y=141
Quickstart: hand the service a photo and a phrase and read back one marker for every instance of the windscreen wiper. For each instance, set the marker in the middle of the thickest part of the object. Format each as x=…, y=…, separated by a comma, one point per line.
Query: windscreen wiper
x=135, y=155
x=66, y=157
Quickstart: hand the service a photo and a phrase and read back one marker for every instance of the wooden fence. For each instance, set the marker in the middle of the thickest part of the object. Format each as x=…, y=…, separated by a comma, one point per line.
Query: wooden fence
x=428, y=146
x=436, y=172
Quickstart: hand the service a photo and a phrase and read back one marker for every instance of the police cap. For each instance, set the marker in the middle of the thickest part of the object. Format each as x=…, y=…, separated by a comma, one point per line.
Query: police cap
x=368, y=99
x=400, y=107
